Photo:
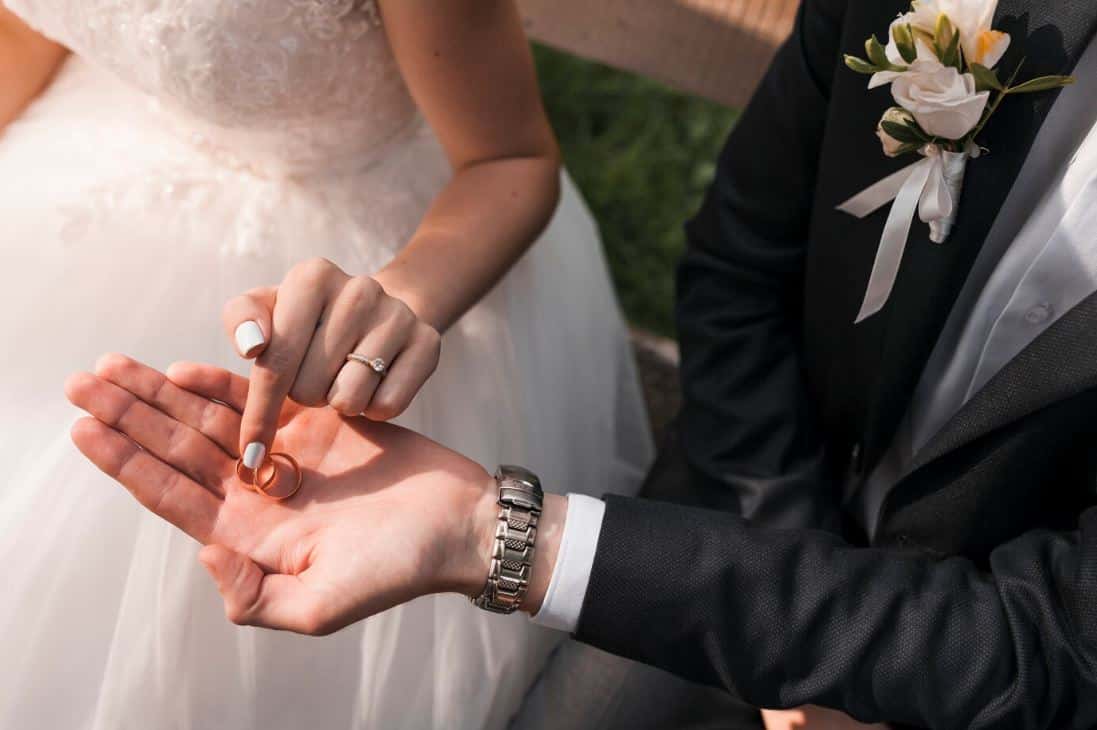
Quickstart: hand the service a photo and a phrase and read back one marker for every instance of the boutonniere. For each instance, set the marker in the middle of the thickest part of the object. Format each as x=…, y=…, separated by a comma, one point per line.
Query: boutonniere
x=940, y=60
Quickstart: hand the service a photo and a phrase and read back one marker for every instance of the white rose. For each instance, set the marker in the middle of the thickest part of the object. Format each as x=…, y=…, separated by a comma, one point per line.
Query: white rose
x=942, y=100
x=972, y=18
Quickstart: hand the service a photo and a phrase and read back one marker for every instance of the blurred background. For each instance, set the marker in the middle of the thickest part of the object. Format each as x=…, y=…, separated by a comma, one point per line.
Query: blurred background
x=643, y=155
x=640, y=135
x=642, y=96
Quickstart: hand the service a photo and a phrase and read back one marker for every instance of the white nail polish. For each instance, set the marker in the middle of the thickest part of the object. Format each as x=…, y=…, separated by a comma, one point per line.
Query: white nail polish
x=253, y=454
x=249, y=337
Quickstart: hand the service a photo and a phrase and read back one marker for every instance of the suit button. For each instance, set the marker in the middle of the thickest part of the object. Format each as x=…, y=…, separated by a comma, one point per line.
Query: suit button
x=1039, y=314
x=856, y=459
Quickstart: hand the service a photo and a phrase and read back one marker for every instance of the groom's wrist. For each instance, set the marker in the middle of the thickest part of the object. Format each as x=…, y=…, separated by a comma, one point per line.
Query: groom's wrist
x=478, y=545
x=467, y=554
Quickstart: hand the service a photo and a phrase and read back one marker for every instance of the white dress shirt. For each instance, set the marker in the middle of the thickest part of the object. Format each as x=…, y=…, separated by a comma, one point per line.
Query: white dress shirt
x=1039, y=261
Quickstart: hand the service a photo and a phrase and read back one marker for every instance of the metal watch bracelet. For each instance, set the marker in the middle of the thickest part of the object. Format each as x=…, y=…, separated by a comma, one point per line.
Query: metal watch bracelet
x=520, y=503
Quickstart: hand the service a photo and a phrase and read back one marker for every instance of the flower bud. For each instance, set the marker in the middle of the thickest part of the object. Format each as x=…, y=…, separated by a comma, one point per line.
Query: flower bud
x=898, y=137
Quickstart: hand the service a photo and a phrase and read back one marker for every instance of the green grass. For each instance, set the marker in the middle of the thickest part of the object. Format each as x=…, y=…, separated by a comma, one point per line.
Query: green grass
x=643, y=156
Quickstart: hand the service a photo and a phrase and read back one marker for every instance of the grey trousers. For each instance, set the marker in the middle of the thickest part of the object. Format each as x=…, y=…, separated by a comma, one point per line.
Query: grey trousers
x=583, y=688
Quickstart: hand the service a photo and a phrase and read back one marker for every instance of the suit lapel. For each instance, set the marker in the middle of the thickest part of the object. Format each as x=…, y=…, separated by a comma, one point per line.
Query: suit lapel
x=1060, y=363
x=891, y=353
x=952, y=507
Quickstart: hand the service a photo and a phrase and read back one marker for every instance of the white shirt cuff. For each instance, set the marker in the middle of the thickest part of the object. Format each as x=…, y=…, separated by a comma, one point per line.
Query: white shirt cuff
x=568, y=585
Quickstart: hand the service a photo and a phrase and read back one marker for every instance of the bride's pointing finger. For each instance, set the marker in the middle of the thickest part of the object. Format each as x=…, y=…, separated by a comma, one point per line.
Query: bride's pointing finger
x=302, y=299
x=247, y=320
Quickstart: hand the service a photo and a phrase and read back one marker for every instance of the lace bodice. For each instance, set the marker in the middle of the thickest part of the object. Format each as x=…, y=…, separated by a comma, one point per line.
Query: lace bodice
x=286, y=86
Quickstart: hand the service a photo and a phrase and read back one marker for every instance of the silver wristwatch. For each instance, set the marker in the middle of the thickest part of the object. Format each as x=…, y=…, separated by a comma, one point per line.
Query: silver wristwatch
x=520, y=504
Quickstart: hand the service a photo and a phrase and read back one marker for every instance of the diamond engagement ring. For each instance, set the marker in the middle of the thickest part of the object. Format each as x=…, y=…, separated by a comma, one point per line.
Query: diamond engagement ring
x=375, y=364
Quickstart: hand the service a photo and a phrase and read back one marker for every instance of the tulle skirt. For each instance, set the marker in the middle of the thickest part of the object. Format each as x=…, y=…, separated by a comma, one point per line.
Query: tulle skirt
x=117, y=235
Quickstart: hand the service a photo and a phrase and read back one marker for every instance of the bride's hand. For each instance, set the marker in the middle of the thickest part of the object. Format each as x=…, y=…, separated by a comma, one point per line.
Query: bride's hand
x=384, y=515
x=301, y=333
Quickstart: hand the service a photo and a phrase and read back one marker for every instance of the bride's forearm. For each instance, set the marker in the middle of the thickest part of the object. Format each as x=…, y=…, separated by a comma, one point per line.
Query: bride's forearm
x=27, y=62
x=477, y=228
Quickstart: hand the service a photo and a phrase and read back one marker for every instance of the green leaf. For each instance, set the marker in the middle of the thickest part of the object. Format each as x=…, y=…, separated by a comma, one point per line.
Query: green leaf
x=901, y=132
x=985, y=78
x=860, y=65
x=908, y=148
x=876, y=52
x=904, y=41
x=1041, y=83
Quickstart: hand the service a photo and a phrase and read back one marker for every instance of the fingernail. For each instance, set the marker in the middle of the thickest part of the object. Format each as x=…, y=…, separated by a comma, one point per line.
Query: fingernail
x=253, y=454
x=249, y=337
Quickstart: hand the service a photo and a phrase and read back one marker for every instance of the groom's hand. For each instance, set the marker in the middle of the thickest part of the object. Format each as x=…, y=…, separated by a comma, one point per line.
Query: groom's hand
x=384, y=515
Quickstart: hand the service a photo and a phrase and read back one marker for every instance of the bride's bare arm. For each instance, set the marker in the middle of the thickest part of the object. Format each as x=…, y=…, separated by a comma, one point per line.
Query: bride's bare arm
x=27, y=63
x=469, y=68
x=468, y=65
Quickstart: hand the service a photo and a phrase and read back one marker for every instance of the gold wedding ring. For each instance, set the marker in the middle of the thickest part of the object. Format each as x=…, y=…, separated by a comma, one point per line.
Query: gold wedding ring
x=250, y=481
x=298, y=476
x=376, y=364
x=261, y=485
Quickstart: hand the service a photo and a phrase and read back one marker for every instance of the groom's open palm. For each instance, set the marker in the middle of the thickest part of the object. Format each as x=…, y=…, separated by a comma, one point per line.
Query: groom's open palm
x=367, y=531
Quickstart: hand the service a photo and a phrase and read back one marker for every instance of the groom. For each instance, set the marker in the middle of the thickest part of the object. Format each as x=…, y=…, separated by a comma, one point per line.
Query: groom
x=895, y=516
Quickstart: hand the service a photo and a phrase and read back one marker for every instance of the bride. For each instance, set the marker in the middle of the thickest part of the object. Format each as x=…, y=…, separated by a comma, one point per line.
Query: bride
x=365, y=175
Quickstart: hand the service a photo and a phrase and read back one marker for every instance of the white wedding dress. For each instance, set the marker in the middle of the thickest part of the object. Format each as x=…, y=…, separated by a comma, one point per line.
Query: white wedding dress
x=190, y=150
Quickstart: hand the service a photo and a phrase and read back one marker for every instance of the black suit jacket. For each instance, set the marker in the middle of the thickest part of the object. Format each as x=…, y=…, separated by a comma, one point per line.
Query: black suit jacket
x=976, y=604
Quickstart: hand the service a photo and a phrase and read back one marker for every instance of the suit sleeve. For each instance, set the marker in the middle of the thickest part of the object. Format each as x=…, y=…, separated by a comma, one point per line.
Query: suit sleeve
x=788, y=617
x=739, y=295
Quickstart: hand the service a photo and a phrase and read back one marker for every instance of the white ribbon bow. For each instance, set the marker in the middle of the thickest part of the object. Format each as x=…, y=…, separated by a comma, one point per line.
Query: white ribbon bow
x=932, y=185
